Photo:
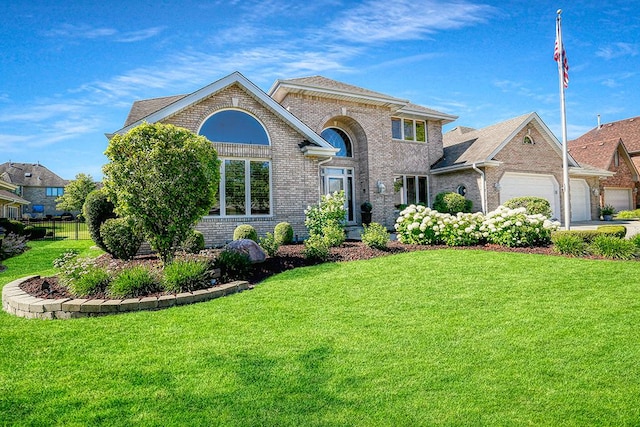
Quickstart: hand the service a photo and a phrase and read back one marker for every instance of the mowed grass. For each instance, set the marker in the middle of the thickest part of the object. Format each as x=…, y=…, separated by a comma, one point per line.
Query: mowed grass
x=443, y=337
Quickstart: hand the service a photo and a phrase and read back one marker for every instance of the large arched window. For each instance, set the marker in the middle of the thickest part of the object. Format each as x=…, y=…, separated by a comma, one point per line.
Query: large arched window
x=339, y=140
x=234, y=126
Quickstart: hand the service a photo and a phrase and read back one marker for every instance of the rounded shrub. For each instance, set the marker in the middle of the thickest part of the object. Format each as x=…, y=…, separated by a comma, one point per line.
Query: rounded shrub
x=375, y=236
x=96, y=210
x=12, y=226
x=619, y=231
x=451, y=203
x=245, y=231
x=533, y=205
x=35, y=233
x=333, y=234
x=133, y=282
x=194, y=242
x=316, y=248
x=283, y=233
x=121, y=237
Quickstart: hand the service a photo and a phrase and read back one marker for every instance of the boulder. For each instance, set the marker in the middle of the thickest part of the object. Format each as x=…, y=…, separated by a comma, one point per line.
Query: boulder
x=248, y=247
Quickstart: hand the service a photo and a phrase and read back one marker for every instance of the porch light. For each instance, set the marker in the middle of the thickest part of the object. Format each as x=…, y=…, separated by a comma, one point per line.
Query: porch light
x=382, y=189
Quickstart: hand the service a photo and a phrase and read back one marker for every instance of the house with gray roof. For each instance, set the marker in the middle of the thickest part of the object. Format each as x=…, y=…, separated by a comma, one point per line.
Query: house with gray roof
x=514, y=158
x=10, y=202
x=35, y=184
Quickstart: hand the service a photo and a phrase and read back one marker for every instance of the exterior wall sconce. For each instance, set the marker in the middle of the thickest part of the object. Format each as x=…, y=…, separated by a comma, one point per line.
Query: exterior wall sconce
x=382, y=189
x=497, y=186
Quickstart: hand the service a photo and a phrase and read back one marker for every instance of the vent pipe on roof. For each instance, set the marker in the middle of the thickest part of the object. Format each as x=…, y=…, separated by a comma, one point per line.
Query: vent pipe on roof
x=599, y=125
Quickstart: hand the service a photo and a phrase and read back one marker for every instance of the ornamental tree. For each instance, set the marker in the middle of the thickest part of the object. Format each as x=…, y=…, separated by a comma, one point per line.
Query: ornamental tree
x=75, y=193
x=165, y=178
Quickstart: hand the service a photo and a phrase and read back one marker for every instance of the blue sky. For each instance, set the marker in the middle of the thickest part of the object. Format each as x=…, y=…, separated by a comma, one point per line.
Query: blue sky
x=69, y=70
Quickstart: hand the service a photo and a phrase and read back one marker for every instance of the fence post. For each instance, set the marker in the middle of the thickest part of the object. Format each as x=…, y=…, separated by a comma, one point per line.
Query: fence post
x=77, y=228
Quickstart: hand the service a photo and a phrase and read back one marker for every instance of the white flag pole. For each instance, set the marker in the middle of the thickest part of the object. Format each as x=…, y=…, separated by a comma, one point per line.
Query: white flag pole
x=565, y=155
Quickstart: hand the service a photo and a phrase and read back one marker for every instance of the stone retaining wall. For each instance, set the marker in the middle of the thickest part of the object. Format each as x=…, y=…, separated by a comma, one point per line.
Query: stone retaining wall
x=17, y=302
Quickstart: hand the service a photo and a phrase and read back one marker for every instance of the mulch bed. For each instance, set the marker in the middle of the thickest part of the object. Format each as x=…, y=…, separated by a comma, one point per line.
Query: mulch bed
x=289, y=257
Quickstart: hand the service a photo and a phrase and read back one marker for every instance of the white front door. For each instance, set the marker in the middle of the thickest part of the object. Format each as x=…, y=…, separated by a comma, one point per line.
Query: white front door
x=338, y=179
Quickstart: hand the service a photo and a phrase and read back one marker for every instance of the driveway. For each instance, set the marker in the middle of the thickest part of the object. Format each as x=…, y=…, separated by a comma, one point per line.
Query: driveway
x=633, y=226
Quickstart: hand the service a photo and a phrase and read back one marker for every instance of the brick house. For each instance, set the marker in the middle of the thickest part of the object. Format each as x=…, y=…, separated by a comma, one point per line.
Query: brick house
x=517, y=157
x=36, y=184
x=10, y=202
x=616, y=148
x=281, y=150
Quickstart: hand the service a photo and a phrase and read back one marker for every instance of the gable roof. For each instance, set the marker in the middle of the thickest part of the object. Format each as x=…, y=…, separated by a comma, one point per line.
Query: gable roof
x=598, y=153
x=464, y=147
x=328, y=88
x=30, y=175
x=628, y=130
x=169, y=106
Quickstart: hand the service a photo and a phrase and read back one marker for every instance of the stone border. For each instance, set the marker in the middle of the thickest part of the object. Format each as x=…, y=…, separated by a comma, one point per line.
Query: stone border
x=19, y=303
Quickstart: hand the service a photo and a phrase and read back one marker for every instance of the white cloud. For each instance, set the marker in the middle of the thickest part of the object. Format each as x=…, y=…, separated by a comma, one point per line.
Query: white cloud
x=617, y=50
x=380, y=20
x=87, y=32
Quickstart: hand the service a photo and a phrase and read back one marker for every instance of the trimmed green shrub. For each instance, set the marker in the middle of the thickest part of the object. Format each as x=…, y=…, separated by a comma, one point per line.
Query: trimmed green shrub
x=329, y=210
x=12, y=226
x=185, y=276
x=121, y=237
x=451, y=203
x=613, y=247
x=233, y=266
x=533, y=205
x=269, y=244
x=587, y=236
x=375, y=236
x=333, y=234
x=619, y=231
x=35, y=233
x=283, y=233
x=97, y=209
x=133, y=282
x=245, y=231
x=316, y=248
x=634, y=214
x=194, y=242
x=569, y=244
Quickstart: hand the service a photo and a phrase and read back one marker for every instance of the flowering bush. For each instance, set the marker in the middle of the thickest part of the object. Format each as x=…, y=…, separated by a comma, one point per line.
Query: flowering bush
x=508, y=227
x=80, y=275
x=329, y=210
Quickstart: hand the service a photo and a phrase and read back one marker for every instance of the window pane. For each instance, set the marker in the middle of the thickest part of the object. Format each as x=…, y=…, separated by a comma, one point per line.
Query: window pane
x=408, y=130
x=234, y=126
x=234, y=187
x=260, y=194
x=396, y=131
x=420, y=132
x=411, y=190
x=422, y=189
x=339, y=140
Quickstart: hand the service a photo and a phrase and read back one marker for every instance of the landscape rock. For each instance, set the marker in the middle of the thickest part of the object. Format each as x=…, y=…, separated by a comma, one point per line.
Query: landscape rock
x=248, y=247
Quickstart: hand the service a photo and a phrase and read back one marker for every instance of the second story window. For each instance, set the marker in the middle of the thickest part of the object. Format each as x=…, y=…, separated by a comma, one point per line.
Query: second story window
x=55, y=191
x=408, y=129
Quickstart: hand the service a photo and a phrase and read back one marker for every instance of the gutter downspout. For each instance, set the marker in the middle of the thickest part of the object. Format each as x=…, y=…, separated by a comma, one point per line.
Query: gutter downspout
x=483, y=195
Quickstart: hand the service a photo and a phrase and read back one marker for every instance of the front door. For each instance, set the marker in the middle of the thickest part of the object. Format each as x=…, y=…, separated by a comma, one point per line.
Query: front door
x=337, y=179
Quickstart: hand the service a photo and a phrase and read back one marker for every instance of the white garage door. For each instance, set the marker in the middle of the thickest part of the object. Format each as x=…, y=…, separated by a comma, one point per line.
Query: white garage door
x=620, y=198
x=521, y=184
x=580, y=200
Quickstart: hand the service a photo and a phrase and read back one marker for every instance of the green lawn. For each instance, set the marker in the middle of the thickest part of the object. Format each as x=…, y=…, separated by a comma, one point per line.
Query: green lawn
x=446, y=337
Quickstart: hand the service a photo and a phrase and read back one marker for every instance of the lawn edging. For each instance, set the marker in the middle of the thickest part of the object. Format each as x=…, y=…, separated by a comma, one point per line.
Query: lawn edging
x=19, y=303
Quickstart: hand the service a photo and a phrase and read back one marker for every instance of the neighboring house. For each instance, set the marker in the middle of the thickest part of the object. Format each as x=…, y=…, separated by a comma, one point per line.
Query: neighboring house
x=615, y=147
x=37, y=184
x=10, y=203
x=281, y=150
x=517, y=157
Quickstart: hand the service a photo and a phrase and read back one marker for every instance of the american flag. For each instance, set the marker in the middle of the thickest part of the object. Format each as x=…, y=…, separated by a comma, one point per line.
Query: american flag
x=559, y=55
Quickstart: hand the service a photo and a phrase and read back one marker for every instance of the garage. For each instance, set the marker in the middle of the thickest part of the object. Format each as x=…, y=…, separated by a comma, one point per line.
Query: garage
x=580, y=200
x=619, y=198
x=514, y=184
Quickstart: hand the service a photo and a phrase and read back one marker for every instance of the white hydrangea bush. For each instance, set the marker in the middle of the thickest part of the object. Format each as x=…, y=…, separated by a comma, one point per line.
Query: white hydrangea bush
x=421, y=225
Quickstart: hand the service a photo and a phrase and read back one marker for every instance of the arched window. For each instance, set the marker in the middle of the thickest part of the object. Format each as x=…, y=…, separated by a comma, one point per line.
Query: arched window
x=339, y=140
x=234, y=126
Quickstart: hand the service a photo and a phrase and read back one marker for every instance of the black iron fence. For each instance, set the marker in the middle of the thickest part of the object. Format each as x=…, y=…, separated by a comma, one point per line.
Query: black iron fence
x=57, y=229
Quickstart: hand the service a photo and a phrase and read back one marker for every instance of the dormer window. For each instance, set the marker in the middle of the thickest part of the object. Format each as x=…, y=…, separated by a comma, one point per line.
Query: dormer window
x=527, y=140
x=408, y=129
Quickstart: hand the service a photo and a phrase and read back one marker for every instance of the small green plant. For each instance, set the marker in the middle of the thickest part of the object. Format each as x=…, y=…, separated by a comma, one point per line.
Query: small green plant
x=375, y=236
x=269, y=244
x=121, y=237
x=636, y=240
x=634, y=214
x=613, y=247
x=569, y=244
x=245, y=231
x=233, y=266
x=619, y=231
x=366, y=206
x=333, y=234
x=194, y=242
x=92, y=281
x=283, y=233
x=330, y=210
x=133, y=282
x=451, y=203
x=607, y=210
x=185, y=276
x=316, y=248
x=533, y=205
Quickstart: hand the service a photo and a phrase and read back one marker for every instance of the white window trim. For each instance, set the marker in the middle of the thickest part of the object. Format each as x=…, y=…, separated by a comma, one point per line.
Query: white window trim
x=403, y=191
x=402, y=120
x=247, y=189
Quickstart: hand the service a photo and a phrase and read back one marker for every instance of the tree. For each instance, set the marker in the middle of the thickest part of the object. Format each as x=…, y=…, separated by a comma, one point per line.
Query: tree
x=165, y=178
x=75, y=193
